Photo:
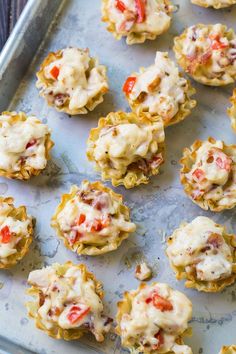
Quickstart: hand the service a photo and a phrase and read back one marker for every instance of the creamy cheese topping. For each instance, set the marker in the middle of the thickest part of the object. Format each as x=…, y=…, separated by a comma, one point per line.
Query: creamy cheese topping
x=22, y=143
x=73, y=79
x=159, y=89
x=69, y=301
x=11, y=232
x=119, y=146
x=92, y=216
x=214, y=173
x=200, y=248
x=158, y=316
x=205, y=45
x=153, y=16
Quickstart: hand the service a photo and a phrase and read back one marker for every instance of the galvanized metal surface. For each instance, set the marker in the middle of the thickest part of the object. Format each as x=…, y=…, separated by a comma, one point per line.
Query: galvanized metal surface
x=157, y=208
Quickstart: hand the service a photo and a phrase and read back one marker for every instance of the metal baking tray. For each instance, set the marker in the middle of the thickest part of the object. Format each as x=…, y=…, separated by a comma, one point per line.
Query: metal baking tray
x=157, y=208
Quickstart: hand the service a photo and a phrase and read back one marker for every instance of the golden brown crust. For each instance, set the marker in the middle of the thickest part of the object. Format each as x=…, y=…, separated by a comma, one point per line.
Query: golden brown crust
x=134, y=176
x=44, y=83
x=86, y=248
x=201, y=70
x=26, y=171
x=228, y=349
x=232, y=111
x=124, y=307
x=206, y=286
x=58, y=332
x=187, y=161
x=217, y=4
x=132, y=37
x=23, y=245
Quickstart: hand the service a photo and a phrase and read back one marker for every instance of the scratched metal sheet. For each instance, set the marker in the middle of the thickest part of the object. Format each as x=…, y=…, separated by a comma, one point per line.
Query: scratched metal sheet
x=157, y=208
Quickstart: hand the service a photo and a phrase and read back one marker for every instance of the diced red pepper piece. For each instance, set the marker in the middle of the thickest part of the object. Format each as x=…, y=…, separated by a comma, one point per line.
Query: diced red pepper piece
x=159, y=336
x=140, y=7
x=77, y=313
x=148, y=300
x=82, y=219
x=99, y=224
x=5, y=234
x=120, y=5
x=55, y=72
x=32, y=142
x=76, y=237
x=198, y=174
x=129, y=84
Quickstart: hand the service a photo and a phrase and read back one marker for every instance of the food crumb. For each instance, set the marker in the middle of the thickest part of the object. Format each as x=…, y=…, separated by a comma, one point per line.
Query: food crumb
x=143, y=271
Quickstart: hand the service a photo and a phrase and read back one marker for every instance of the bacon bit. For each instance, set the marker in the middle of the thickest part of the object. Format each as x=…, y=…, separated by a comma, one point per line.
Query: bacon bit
x=162, y=304
x=76, y=313
x=159, y=302
x=55, y=72
x=159, y=336
x=198, y=175
x=156, y=161
x=140, y=7
x=54, y=311
x=215, y=240
x=129, y=84
x=224, y=164
x=205, y=57
x=81, y=219
x=32, y=142
x=154, y=84
x=41, y=299
x=216, y=42
x=6, y=234
x=60, y=99
x=120, y=5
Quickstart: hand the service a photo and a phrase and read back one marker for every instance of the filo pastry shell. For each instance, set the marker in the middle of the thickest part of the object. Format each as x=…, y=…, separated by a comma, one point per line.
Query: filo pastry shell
x=16, y=232
x=232, y=111
x=154, y=319
x=228, y=349
x=67, y=302
x=127, y=148
x=72, y=81
x=25, y=144
x=208, y=174
x=203, y=253
x=160, y=89
x=216, y=4
x=92, y=219
x=207, y=53
x=137, y=20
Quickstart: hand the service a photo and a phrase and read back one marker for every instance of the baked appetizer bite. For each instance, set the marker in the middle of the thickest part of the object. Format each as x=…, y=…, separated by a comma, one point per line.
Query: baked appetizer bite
x=92, y=219
x=207, y=53
x=16, y=232
x=203, y=253
x=216, y=4
x=72, y=81
x=154, y=319
x=68, y=302
x=232, y=111
x=25, y=143
x=127, y=148
x=137, y=20
x=228, y=349
x=160, y=90
x=208, y=174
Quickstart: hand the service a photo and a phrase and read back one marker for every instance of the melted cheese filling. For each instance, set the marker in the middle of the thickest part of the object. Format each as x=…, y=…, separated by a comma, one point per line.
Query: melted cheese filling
x=22, y=142
x=217, y=2
x=211, y=47
x=96, y=218
x=76, y=79
x=16, y=228
x=145, y=320
x=164, y=89
x=214, y=173
x=200, y=245
x=119, y=146
x=156, y=18
x=62, y=294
